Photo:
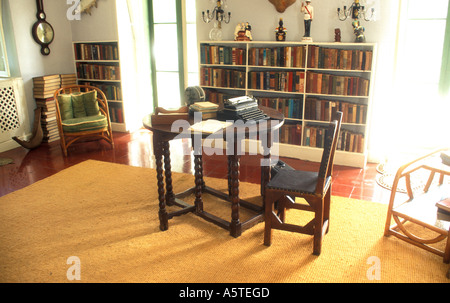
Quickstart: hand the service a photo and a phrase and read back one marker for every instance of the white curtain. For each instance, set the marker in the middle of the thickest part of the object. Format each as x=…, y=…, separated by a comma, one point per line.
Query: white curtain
x=132, y=23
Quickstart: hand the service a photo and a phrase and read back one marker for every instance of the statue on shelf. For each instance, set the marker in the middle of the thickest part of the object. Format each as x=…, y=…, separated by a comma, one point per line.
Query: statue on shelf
x=358, y=29
x=308, y=12
x=248, y=31
x=280, y=31
x=243, y=32
x=337, y=35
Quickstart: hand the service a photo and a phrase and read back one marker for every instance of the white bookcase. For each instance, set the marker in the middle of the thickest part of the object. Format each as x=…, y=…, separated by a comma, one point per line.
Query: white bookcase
x=305, y=81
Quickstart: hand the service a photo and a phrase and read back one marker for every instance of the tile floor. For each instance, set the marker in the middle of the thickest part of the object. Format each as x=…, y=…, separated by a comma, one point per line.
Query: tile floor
x=135, y=149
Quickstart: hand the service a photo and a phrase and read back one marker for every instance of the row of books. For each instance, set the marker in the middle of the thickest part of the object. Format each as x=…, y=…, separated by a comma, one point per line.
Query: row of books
x=97, y=71
x=113, y=92
x=323, y=110
x=221, y=77
x=333, y=58
x=284, y=56
x=85, y=51
x=284, y=81
x=291, y=134
x=290, y=108
x=348, y=140
x=227, y=55
x=328, y=84
x=116, y=113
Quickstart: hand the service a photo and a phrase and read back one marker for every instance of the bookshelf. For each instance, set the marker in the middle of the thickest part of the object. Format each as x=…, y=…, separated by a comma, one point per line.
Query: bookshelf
x=307, y=82
x=97, y=63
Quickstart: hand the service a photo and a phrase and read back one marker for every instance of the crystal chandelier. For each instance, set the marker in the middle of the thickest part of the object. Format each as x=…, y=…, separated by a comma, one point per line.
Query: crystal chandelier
x=218, y=15
x=356, y=11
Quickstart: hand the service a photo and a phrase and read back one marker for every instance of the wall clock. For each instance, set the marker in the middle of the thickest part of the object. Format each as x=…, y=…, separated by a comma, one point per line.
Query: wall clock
x=42, y=31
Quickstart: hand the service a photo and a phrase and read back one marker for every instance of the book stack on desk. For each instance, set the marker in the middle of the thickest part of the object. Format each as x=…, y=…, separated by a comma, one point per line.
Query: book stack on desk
x=208, y=109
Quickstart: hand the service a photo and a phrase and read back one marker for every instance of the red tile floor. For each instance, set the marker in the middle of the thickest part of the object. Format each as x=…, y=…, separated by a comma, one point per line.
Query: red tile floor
x=135, y=149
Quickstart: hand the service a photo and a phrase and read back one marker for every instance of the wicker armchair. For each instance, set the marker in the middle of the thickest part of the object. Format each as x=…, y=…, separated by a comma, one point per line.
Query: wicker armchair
x=82, y=113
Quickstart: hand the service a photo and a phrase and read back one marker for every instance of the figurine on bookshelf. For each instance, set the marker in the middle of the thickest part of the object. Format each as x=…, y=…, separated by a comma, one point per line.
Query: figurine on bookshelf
x=308, y=12
x=337, y=35
x=359, y=31
x=280, y=32
x=242, y=32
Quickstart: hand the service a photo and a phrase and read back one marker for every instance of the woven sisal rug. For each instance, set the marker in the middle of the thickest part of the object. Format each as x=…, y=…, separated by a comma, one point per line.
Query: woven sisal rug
x=103, y=218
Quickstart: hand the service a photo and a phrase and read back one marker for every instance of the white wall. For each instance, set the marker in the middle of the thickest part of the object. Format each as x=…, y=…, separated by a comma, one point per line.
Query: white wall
x=100, y=25
x=263, y=17
x=31, y=62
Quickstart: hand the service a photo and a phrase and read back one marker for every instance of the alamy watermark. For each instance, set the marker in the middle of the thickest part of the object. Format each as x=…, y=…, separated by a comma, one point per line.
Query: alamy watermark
x=73, y=12
x=74, y=271
x=374, y=271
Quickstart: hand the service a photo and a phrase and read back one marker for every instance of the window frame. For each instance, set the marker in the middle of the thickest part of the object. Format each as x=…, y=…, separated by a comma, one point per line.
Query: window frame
x=3, y=54
x=182, y=49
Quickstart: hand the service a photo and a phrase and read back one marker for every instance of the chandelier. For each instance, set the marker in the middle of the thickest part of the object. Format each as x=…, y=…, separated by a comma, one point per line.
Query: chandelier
x=356, y=11
x=218, y=13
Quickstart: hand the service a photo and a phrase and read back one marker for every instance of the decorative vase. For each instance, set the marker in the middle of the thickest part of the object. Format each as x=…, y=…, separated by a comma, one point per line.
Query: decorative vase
x=216, y=33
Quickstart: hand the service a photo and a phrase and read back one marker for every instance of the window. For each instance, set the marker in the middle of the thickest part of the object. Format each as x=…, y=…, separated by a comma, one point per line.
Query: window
x=420, y=111
x=421, y=43
x=174, y=40
x=4, y=68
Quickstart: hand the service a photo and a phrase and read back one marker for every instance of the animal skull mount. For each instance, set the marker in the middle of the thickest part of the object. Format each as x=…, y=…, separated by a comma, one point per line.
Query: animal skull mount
x=281, y=5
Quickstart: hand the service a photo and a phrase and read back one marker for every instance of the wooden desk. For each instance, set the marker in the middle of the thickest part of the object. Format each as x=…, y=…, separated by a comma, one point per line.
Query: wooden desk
x=162, y=135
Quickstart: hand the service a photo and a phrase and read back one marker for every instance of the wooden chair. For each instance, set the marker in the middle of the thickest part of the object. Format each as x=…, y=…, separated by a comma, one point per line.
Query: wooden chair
x=419, y=209
x=314, y=187
x=82, y=113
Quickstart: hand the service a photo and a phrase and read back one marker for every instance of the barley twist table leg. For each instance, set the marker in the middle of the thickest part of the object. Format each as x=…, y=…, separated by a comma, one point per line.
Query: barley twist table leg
x=198, y=183
x=235, y=226
x=163, y=218
x=170, y=196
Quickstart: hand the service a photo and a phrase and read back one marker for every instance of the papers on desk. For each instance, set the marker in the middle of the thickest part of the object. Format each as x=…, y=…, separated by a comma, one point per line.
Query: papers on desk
x=209, y=126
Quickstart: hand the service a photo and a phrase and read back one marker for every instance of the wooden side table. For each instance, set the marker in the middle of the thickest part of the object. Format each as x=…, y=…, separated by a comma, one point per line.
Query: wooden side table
x=420, y=207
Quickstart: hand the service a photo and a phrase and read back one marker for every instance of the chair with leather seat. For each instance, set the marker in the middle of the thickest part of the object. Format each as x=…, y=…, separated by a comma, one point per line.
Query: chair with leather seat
x=314, y=187
x=82, y=113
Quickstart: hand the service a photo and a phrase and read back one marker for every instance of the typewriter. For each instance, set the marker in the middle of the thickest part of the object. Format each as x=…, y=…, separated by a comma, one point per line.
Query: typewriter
x=241, y=108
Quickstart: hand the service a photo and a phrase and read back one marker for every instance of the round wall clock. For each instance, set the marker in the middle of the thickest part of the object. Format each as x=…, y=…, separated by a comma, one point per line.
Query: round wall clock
x=42, y=31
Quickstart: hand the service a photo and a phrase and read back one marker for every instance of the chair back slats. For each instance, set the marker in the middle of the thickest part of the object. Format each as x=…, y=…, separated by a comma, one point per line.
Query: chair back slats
x=330, y=144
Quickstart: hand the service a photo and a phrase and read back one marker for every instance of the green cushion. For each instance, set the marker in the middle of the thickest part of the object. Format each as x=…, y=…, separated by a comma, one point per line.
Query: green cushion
x=84, y=123
x=78, y=106
x=90, y=103
x=65, y=106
